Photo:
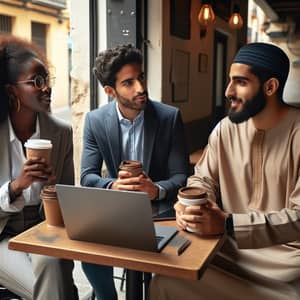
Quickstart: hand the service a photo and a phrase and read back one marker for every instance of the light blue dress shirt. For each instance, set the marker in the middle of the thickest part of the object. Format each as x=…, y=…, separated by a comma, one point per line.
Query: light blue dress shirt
x=132, y=135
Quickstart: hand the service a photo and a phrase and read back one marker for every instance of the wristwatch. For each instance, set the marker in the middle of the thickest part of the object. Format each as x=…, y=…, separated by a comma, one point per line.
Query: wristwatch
x=229, y=225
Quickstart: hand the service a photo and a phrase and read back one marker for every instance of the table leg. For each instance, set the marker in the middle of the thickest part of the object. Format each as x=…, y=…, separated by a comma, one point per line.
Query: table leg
x=134, y=285
x=147, y=279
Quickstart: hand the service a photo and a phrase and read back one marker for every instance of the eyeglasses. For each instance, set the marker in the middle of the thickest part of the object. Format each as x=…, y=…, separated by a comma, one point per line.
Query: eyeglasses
x=40, y=82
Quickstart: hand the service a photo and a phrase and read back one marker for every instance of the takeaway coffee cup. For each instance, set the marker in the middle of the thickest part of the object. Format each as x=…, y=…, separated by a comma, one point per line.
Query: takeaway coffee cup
x=133, y=166
x=189, y=196
x=39, y=148
x=51, y=206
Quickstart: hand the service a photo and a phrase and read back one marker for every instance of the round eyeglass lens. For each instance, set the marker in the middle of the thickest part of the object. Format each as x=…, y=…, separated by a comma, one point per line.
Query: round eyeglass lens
x=39, y=81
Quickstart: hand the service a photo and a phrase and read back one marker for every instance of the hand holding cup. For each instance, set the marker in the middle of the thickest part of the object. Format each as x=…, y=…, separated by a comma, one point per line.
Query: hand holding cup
x=39, y=148
x=191, y=196
x=38, y=153
x=129, y=171
x=135, y=167
x=37, y=166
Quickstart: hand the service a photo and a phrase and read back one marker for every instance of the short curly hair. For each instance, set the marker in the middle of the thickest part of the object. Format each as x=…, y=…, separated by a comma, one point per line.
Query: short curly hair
x=109, y=62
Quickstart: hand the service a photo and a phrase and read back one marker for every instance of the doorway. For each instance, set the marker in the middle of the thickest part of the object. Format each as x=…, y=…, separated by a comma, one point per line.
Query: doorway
x=219, y=77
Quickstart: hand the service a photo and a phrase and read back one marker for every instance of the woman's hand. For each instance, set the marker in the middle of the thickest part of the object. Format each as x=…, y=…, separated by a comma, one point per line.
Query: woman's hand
x=34, y=170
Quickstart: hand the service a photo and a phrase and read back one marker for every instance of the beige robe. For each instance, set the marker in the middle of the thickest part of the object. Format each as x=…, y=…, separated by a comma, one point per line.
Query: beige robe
x=254, y=174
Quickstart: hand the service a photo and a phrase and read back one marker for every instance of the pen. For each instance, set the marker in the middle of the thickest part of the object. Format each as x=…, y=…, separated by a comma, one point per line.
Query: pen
x=163, y=218
x=183, y=246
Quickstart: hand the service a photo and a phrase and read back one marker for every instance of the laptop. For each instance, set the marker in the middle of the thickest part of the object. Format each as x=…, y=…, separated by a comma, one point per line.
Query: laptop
x=116, y=218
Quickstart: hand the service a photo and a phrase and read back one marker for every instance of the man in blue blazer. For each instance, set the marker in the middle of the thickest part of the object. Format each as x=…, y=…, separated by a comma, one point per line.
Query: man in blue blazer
x=131, y=127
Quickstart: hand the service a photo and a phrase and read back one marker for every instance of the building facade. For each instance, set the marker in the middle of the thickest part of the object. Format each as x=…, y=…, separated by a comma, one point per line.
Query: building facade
x=264, y=25
x=45, y=22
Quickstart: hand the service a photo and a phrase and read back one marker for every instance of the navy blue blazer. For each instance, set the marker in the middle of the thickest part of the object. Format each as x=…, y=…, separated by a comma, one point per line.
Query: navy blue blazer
x=165, y=152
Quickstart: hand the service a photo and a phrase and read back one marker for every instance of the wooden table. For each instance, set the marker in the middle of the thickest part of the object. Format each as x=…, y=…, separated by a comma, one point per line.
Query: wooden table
x=53, y=241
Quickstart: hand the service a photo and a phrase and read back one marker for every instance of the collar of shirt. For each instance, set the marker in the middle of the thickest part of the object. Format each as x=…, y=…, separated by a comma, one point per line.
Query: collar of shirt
x=139, y=118
x=132, y=135
x=12, y=135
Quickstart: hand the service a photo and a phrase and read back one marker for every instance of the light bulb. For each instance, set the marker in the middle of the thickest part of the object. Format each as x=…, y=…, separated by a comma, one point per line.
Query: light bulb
x=236, y=21
x=206, y=15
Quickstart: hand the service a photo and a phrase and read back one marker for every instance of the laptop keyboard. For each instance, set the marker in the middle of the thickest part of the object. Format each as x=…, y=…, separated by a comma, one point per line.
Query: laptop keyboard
x=158, y=238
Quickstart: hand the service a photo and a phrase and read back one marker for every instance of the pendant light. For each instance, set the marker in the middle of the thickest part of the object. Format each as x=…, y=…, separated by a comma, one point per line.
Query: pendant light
x=206, y=14
x=236, y=20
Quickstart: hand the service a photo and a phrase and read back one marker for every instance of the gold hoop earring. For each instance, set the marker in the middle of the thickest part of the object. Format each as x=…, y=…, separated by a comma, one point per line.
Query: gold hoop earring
x=14, y=102
x=18, y=108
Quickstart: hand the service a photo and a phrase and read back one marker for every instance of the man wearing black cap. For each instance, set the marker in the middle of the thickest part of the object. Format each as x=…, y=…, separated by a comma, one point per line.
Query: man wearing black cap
x=251, y=172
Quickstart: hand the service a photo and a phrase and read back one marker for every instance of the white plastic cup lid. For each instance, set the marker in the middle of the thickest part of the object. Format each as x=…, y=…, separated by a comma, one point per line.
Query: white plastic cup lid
x=38, y=144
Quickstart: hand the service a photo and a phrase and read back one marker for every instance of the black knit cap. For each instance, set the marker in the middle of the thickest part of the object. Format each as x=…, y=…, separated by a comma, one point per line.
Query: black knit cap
x=265, y=56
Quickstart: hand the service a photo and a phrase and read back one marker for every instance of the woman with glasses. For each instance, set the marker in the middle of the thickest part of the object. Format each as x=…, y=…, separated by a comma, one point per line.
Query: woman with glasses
x=25, y=95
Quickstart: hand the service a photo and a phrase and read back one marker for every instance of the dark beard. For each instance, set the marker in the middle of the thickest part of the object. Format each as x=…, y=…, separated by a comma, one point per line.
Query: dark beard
x=130, y=103
x=250, y=108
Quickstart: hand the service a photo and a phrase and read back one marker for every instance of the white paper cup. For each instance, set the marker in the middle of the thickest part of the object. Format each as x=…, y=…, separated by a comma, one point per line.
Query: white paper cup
x=39, y=148
x=190, y=196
